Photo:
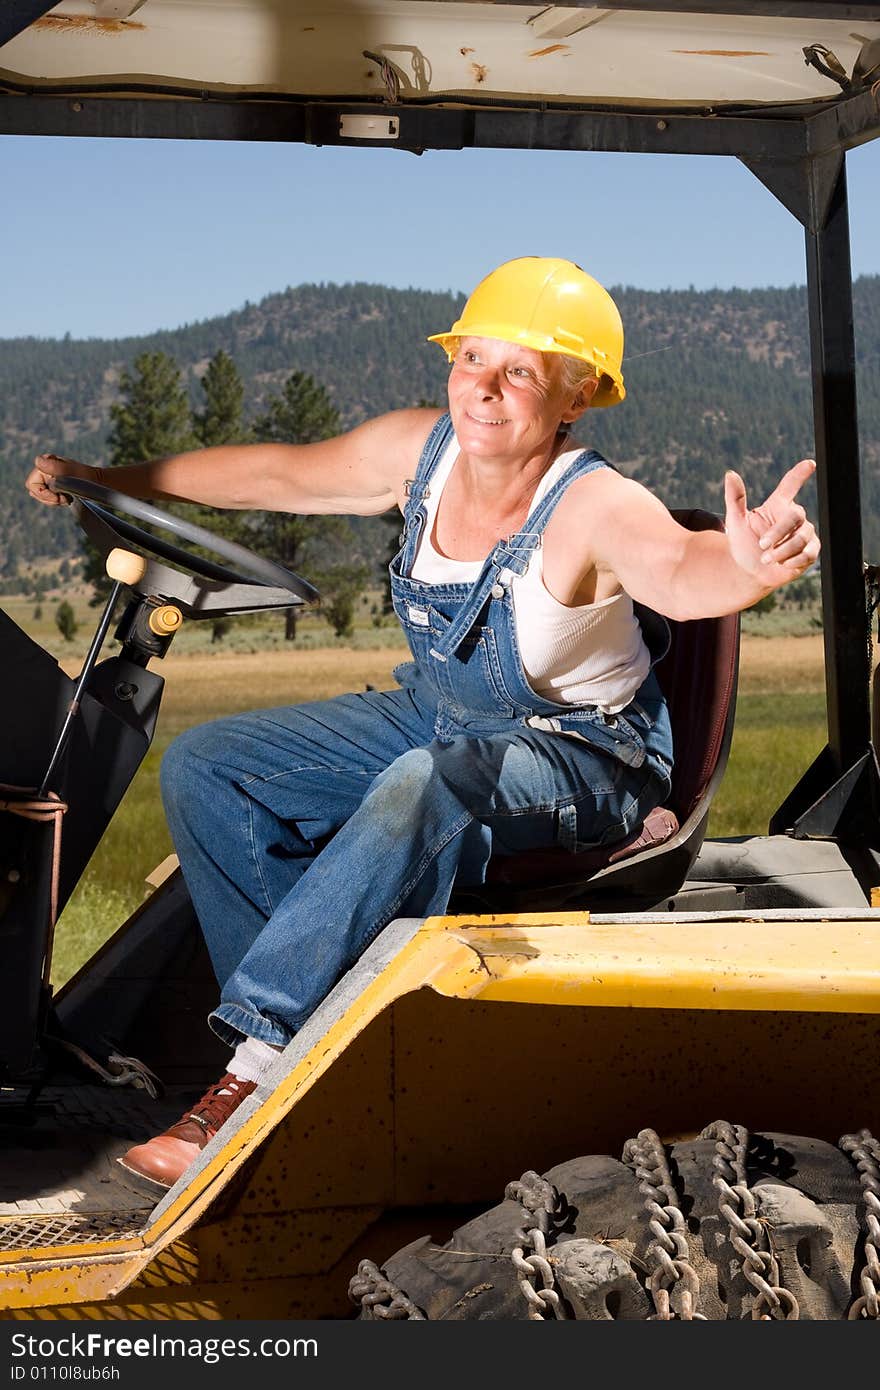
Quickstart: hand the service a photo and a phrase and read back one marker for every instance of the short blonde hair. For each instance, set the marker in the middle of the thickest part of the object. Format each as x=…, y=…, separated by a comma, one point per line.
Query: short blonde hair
x=575, y=372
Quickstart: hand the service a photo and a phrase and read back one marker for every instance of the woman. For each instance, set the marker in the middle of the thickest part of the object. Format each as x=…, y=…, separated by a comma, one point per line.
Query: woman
x=529, y=716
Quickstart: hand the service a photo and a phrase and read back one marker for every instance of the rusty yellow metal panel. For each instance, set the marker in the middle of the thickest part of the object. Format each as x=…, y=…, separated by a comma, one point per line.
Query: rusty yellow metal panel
x=243, y=1247
x=438, y=1084
x=176, y=1264
x=227, y=1286
x=27, y=1286
x=488, y=1090
x=281, y=1299
x=56, y=1249
x=172, y=1267
x=194, y=1305
x=351, y=1100
x=410, y=970
x=564, y=958
x=745, y=964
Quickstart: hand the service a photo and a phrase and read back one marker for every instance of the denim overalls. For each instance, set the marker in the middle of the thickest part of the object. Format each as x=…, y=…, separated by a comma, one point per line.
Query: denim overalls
x=303, y=831
x=463, y=637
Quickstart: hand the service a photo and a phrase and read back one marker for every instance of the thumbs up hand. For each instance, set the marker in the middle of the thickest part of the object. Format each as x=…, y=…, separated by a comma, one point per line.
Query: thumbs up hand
x=775, y=542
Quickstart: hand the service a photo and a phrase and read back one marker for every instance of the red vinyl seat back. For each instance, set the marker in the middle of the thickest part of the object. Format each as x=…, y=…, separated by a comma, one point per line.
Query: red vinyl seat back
x=698, y=678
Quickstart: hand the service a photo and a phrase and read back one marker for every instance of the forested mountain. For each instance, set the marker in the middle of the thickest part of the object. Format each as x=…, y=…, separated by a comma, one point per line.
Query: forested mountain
x=715, y=379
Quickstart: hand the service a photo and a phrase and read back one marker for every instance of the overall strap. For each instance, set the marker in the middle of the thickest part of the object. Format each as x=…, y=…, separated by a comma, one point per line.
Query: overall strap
x=586, y=462
x=655, y=628
x=515, y=553
x=417, y=489
x=512, y=556
x=486, y=583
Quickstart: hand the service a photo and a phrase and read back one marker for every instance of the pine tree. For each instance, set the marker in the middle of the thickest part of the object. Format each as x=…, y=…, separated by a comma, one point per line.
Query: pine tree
x=302, y=414
x=341, y=586
x=221, y=421
x=151, y=419
x=65, y=621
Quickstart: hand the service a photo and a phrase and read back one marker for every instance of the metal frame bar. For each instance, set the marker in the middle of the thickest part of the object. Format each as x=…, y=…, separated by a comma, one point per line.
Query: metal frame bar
x=303, y=120
x=758, y=9
x=18, y=14
x=832, y=350
x=838, y=795
x=841, y=124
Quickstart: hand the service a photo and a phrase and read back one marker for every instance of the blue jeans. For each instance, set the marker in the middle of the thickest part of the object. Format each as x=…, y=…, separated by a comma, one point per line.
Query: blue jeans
x=303, y=831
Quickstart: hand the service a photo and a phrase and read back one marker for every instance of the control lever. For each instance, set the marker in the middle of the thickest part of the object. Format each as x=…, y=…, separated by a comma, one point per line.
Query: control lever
x=124, y=567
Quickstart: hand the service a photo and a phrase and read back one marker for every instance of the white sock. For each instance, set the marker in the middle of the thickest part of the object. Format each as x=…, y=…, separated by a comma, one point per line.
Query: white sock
x=252, y=1058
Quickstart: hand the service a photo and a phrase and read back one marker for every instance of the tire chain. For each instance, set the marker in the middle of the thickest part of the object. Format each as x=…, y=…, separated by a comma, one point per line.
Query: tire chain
x=378, y=1297
x=540, y=1203
x=864, y=1150
x=749, y=1235
x=673, y=1284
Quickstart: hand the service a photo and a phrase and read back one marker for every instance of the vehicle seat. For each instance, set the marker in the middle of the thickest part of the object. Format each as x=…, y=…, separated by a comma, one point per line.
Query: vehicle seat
x=698, y=677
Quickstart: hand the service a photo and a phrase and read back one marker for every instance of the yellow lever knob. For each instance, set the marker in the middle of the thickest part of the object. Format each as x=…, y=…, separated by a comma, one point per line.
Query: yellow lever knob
x=165, y=619
x=125, y=566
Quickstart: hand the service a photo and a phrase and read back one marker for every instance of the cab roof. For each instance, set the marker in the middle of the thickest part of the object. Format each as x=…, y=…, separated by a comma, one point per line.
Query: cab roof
x=771, y=56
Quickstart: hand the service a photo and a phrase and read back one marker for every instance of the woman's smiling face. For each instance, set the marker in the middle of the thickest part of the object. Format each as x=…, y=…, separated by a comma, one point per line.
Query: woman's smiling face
x=508, y=400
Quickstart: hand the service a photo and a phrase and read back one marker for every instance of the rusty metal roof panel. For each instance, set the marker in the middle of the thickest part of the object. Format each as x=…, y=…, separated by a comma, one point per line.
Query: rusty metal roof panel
x=418, y=50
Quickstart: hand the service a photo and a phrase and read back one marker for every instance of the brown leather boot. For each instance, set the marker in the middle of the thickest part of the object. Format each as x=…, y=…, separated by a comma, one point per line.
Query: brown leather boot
x=162, y=1160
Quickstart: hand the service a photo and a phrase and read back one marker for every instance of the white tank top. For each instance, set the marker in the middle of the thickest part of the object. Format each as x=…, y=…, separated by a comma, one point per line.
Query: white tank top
x=590, y=655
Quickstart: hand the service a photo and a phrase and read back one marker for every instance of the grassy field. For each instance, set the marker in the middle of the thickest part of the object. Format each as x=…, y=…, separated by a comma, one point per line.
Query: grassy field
x=779, y=730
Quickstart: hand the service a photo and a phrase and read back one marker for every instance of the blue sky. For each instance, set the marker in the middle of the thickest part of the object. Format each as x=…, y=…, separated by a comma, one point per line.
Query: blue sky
x=106, y=238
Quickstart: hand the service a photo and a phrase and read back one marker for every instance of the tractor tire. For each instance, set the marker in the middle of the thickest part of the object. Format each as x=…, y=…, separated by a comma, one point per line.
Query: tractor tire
x=728, y=1225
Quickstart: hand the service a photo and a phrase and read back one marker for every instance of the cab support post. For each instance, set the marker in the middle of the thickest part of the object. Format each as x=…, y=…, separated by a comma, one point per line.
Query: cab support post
x=847, y=622
x=839, y=795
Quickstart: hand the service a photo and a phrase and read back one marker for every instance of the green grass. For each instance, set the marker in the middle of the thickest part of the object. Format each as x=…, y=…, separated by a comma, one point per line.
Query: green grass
x=248, y=632
x=265, y=631
x=775, y=739
x=114, y=884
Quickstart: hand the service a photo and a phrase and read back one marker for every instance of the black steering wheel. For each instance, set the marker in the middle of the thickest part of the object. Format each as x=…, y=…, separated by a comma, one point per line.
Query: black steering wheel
x=255, y=568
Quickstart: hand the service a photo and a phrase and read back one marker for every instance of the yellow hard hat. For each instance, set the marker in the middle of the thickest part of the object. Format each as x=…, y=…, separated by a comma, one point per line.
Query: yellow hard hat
x=550, y=305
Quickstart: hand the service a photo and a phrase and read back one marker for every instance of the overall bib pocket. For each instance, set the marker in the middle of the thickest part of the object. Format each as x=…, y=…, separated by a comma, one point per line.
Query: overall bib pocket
x=469, y=677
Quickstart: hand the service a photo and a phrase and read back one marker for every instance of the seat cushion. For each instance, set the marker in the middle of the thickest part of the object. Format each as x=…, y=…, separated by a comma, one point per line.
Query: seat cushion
x=559, y=866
